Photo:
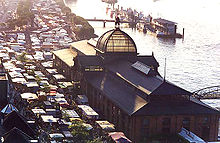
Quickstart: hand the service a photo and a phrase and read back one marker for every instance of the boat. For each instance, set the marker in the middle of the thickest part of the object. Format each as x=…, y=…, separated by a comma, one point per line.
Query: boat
x=162, y=28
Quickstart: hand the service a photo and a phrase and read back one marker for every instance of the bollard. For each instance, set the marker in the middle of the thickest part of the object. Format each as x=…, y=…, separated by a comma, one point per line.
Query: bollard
x=104, y=23
x=183, y=32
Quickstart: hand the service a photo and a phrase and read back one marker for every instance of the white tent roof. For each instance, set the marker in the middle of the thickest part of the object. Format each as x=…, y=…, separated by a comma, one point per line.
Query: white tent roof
x=29, y=96
x=48, y=119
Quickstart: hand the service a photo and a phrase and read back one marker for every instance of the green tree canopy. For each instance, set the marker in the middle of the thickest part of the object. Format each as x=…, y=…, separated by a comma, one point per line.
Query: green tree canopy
x=25, y=15
x=81, y=134
x=22, y=57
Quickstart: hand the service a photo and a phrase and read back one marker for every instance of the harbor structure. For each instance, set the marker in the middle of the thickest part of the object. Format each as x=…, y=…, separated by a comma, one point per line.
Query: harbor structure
x=63, y=59
x=129, y=91
x=163, y=28
x=47, y=104
x=170, y=25
x=41, y=103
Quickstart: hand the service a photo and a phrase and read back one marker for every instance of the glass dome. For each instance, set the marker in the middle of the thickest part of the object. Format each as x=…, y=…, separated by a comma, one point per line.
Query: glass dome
x=116, y=41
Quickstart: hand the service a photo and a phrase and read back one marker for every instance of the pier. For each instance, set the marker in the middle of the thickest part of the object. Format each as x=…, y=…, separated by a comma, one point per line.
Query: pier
x=109, y=20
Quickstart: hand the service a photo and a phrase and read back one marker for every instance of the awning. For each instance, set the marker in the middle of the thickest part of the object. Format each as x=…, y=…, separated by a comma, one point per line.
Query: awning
x=38, y=111
x=29, y=96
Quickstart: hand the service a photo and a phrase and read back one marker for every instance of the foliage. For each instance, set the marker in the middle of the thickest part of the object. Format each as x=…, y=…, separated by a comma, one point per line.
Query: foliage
x=60, y=3
x=2, y=24
x=79, y=131
x=45, y=88
x=66, y=10
x=23, y=8
x=84, y=32
x=34, y=104
x=81, y=134
x=96, y=140
x=31, y=72
x=65, y=116
x=22, y=57
x=24, y=15
x=38, y=79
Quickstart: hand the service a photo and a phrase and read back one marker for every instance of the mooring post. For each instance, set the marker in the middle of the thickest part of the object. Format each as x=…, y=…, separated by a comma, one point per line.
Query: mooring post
x=104, y=23
x=183, y=32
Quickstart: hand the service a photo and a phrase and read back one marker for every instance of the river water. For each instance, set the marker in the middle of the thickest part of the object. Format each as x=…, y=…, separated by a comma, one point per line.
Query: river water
x=192, y=63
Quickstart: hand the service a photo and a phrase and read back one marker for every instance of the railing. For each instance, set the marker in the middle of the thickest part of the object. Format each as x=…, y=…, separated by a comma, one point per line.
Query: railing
x=109, y=20
x=106, y=20
x=212, y=92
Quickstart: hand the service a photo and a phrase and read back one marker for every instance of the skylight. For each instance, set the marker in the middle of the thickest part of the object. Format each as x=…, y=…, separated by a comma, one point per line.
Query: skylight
x=141, y=67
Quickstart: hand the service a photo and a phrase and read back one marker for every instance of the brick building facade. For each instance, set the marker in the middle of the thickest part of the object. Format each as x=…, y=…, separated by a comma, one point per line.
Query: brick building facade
x=128, y=90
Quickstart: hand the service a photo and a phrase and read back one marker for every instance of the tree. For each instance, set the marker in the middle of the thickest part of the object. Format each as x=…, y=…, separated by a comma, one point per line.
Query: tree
x=86, y=30
x=45, y=88
x=96, y=140
x=2, y=24
x=66, y=10
x=79, y=131
x=81, y=134
x=25, y=15
x=22, y=57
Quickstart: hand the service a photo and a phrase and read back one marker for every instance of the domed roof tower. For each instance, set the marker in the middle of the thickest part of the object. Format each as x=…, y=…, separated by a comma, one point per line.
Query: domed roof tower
x=116, y=44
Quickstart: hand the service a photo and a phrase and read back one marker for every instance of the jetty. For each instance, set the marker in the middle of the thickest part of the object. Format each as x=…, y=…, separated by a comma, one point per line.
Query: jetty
x=109, y=20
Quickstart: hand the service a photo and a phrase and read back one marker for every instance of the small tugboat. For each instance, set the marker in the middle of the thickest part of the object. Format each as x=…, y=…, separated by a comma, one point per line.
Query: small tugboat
x=162, y=28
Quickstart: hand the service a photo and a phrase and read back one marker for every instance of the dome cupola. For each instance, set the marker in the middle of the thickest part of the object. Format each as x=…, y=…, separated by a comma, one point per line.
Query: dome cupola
x=116, y=41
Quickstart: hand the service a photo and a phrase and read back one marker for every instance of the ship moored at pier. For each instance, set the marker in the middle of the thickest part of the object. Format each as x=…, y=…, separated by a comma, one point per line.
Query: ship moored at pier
x=161, y=28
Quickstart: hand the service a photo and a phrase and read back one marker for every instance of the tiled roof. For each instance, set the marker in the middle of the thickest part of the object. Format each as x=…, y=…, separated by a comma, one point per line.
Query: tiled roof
x=14, y=119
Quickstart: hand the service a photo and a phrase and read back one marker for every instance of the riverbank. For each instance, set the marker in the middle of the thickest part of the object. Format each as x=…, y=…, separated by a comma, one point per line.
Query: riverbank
x=79, y=25
x=199, y=49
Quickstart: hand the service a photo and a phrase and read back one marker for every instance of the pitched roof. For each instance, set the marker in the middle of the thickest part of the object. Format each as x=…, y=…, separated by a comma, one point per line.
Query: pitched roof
x=126, y=99
x=122, y=85
x=84, y=48
x=164, y=21
x=148, y=60
x=125, y=71
x=167, y=88
x=66, y=55
x=16, y=136
x=151, y=85
x=14, y=119
x=174, y=107
x=9, y=108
